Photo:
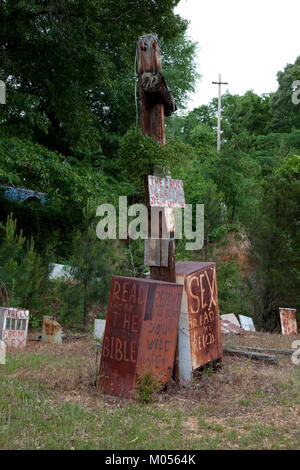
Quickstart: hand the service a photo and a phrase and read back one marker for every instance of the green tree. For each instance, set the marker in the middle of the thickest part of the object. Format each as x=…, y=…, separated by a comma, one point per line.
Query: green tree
x=275, y=239
x=286, y=115
x=69, y=69
x=22, y=274
x=91, y=263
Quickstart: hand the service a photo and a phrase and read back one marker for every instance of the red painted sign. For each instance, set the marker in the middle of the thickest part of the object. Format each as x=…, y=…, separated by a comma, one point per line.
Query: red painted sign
x=140, y=333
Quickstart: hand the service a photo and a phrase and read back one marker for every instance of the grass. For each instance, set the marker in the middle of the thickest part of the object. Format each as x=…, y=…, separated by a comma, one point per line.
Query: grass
x=48, y=400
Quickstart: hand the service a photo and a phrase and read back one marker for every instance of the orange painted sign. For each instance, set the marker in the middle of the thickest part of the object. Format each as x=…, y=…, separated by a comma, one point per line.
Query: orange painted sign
x=199, y=338
x=288, y=321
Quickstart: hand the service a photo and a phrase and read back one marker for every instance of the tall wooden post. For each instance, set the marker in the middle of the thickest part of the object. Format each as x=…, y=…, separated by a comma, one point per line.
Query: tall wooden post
x=156, y=102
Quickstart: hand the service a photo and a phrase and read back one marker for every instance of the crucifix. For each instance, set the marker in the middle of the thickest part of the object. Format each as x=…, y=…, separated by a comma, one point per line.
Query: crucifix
x=219, y=111
x=156, y=102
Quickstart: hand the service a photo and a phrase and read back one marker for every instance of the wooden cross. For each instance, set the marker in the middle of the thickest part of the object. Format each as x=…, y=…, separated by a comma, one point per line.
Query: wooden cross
x=156, y=102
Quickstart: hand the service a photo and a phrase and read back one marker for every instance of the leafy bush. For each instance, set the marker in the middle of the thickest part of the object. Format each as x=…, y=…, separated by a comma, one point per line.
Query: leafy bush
x=147, y=386
x=22, y=273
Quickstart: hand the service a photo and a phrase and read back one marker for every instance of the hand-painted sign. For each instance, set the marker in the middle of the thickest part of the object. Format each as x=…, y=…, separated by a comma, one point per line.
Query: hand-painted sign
x=14, y=327
x=199, y=340
x=165, y=192
x=288, y=321
x=140, y=333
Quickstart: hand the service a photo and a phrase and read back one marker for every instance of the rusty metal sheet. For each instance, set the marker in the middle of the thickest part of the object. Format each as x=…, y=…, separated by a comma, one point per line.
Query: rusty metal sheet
x=227, y=327
x=165, y=192
x=156, y=252
x=14, y=327
x=140, y=333
x=199, y=325
x=51, y=332
x=288, y=321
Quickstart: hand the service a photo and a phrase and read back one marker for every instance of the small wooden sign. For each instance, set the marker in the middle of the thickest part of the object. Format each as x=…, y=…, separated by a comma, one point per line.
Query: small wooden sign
x=165, y=192
x=140, y=333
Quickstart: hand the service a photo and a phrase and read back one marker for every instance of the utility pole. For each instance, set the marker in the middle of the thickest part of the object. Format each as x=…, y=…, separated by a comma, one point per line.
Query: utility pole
x=219, y=111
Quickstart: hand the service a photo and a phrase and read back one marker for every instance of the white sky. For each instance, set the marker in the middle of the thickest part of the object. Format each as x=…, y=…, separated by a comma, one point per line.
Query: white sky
x=248, y=42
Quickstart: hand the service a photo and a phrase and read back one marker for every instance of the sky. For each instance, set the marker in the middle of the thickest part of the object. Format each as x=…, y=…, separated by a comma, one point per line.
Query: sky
x=248, y=42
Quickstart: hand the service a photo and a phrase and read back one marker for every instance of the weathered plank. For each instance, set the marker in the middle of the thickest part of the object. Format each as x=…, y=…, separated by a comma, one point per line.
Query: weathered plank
x=252, y=355
x=286, y=352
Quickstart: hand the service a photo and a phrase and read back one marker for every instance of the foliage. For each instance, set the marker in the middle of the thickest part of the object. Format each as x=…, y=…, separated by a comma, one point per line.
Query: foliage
x=275, y=236
x=147, y=386
x=22, y=273
x=233, y=293
x=69, y=69
x=140, y=154
x=285, y=114
x=24, y=163
x=91, y=263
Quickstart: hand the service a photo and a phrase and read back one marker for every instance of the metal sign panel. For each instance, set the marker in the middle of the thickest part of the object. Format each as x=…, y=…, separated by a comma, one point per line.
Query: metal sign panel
x=199, y=326
x=227, y=327
x=288, y=321
x=14, y=327
x=246, y=323
x=165, y=192
x=140, y=333
x=232, y=318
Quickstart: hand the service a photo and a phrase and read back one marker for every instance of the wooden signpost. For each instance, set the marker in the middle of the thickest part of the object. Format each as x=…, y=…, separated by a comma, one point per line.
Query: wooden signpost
x=156, y=102
x=141, y=331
